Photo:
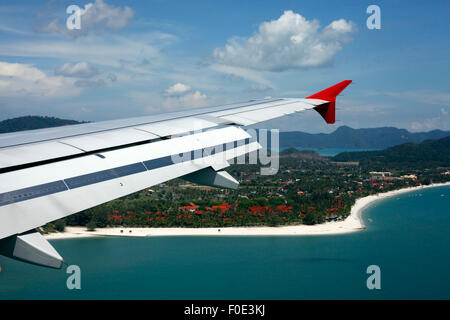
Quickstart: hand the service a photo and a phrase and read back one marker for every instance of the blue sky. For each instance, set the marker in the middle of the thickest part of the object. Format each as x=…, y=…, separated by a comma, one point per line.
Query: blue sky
x=133, y=58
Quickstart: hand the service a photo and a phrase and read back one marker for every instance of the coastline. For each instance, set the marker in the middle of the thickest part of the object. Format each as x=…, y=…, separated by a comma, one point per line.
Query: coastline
x=352, y=223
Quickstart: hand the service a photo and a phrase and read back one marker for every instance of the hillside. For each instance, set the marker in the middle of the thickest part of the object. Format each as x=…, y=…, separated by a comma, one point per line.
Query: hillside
x=348, y=138
x=33, y=122
x=301, y=154
x=426, y=154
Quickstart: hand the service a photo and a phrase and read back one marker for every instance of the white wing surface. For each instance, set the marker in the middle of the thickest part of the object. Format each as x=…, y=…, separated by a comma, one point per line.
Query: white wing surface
x=48, y=174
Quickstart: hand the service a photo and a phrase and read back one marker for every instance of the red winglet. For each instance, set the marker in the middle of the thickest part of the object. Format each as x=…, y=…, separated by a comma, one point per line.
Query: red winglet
x=328, y=110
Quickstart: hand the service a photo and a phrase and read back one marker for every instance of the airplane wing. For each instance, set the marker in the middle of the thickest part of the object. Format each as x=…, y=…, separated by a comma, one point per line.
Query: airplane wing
x=48, y=174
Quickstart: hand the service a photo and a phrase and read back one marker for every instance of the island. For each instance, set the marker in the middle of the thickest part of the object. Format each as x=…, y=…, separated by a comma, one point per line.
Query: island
x=309, y=195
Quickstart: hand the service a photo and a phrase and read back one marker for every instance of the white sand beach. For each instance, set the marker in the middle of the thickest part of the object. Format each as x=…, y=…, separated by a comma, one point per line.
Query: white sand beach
x=352, y=223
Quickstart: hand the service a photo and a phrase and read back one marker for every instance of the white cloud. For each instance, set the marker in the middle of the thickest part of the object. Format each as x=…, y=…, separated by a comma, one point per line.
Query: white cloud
x=23, y=80
x=441, y=121
x=98, y=17
x=286, y=43
x=85, y=75
x=427, y=124
x=190, y=100
x=77, y=70
x=339, y=26
x=114, y=50
x=177, y=89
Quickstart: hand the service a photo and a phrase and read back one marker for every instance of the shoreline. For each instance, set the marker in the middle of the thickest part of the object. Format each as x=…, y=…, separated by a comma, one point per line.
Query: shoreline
x=352, y=223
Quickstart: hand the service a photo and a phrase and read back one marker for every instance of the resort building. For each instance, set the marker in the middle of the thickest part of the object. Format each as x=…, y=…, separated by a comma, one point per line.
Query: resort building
x=409, y=176
x=380, y=174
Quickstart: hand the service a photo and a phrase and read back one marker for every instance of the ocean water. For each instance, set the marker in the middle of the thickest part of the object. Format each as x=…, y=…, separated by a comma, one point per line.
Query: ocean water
x=407, y=236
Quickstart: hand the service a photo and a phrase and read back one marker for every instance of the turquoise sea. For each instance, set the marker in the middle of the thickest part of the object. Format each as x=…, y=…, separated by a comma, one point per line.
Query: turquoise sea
x=407, y=236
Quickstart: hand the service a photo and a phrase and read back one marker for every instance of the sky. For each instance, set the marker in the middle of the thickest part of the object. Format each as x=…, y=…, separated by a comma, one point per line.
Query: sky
x=133, y=58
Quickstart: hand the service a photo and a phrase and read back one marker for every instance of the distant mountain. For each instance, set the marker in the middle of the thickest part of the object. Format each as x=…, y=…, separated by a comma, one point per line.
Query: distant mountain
x=426, y=154
x=347, y=138
x=32, y=122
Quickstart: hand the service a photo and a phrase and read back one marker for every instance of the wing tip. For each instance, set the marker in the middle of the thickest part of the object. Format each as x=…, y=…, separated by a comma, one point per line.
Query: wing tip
x=328, y=110
x=330, y=94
